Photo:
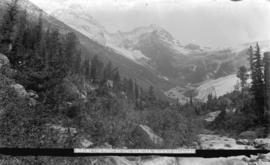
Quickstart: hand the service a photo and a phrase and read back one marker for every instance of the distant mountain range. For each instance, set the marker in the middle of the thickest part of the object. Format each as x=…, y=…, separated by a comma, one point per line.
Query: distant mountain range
x=150, y=54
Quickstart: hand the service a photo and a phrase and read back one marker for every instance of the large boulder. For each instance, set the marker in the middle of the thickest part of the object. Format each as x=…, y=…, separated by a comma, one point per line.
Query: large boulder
x=3, y=60
x=20, y=90
x=85, y=143
x=262, y=143
x=144, y=136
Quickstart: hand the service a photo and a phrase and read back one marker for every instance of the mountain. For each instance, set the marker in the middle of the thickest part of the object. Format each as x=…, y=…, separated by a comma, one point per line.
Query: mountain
x=222, y=85
x=90, y=47
x=149, y=54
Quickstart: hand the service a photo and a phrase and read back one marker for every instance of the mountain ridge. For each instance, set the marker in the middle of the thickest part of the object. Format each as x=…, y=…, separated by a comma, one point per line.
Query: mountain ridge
x=150, y=54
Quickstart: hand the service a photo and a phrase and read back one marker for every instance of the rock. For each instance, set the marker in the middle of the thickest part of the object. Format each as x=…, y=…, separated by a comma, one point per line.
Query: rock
x=20, y=90
x=112, y=160
x=145, y=136
x=32, y=94
x=32, y=102
x=264, y=157
x=243, y=141
x=262, y=144
x=109, y=83
x=3, y=60
x=195, y=145
x=248, y=135
x=160, y=161
x=220, y=142
x=86, y=143
x=154, y=138
x=63, y=130
x=105, y=145
x=210, y=117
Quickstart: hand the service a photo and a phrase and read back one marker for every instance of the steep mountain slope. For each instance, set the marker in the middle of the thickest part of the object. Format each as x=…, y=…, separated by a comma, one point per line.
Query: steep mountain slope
x=143, y=75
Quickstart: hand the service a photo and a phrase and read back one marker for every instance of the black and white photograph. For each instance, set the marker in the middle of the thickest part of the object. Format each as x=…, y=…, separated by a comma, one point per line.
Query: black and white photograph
x=135, y=74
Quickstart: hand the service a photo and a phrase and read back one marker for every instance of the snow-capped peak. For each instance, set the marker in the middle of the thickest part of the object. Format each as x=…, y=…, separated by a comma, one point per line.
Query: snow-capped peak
x=79, y=19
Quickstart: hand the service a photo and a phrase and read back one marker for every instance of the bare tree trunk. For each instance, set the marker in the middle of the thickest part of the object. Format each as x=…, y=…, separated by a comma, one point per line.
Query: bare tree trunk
x=267, y=90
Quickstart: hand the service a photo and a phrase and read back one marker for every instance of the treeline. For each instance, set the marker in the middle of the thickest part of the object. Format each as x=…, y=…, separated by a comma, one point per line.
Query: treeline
x=247, y=100
x=257, y=86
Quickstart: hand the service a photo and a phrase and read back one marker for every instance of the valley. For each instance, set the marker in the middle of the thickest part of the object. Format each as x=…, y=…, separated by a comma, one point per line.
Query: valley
x=68, y=82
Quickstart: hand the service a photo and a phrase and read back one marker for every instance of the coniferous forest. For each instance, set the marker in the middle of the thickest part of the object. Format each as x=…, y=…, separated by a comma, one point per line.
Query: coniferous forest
x=84, y=96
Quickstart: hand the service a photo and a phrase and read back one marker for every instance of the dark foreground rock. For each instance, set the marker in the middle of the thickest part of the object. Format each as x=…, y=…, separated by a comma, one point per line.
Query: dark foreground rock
x=261, y=159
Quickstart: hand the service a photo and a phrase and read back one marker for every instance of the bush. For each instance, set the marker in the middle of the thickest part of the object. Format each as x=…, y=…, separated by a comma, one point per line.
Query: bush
x=175, y=129
x=20, y=124
x=235, y=123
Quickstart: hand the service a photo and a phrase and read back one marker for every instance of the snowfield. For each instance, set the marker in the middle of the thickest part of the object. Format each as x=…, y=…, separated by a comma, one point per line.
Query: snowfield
x=217, y=87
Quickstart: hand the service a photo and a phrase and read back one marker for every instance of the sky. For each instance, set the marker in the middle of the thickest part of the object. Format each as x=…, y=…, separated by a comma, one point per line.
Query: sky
x=215, y=23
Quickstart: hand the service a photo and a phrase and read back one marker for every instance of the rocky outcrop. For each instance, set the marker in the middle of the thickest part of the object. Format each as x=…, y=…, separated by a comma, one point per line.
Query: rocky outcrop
x=208, y=141
x=145, y=136
x=20, y=90
x=212, y=141
x=3, y=60
x=210, y=117
x=85, y=143
x=263, y=144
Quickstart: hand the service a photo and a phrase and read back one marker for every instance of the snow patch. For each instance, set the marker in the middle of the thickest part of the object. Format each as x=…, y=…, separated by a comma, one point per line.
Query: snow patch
x=163, y=77
x=217, y=87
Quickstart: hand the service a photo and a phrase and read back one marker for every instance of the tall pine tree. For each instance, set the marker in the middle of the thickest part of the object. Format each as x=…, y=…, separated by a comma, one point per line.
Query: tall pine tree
x=257, y=86
x=8, y=27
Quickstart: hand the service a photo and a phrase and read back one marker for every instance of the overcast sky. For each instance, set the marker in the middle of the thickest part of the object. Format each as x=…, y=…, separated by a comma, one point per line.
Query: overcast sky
x=205, y=22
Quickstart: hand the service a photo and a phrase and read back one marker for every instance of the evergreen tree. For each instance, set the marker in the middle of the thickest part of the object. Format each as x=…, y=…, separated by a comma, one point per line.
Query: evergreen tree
x=136, y=90
x=108, y=72
x=243, y=76
x=116, y=77
x=86, y=67
x=251, y=57
x=137, y=96
x=151, y=94
x=257, y=86
x=96, y=68
x=70, y=49
x=8, y=26
x=19, y=46
x=117, y=80
x=77, y=63
x=130, y=90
